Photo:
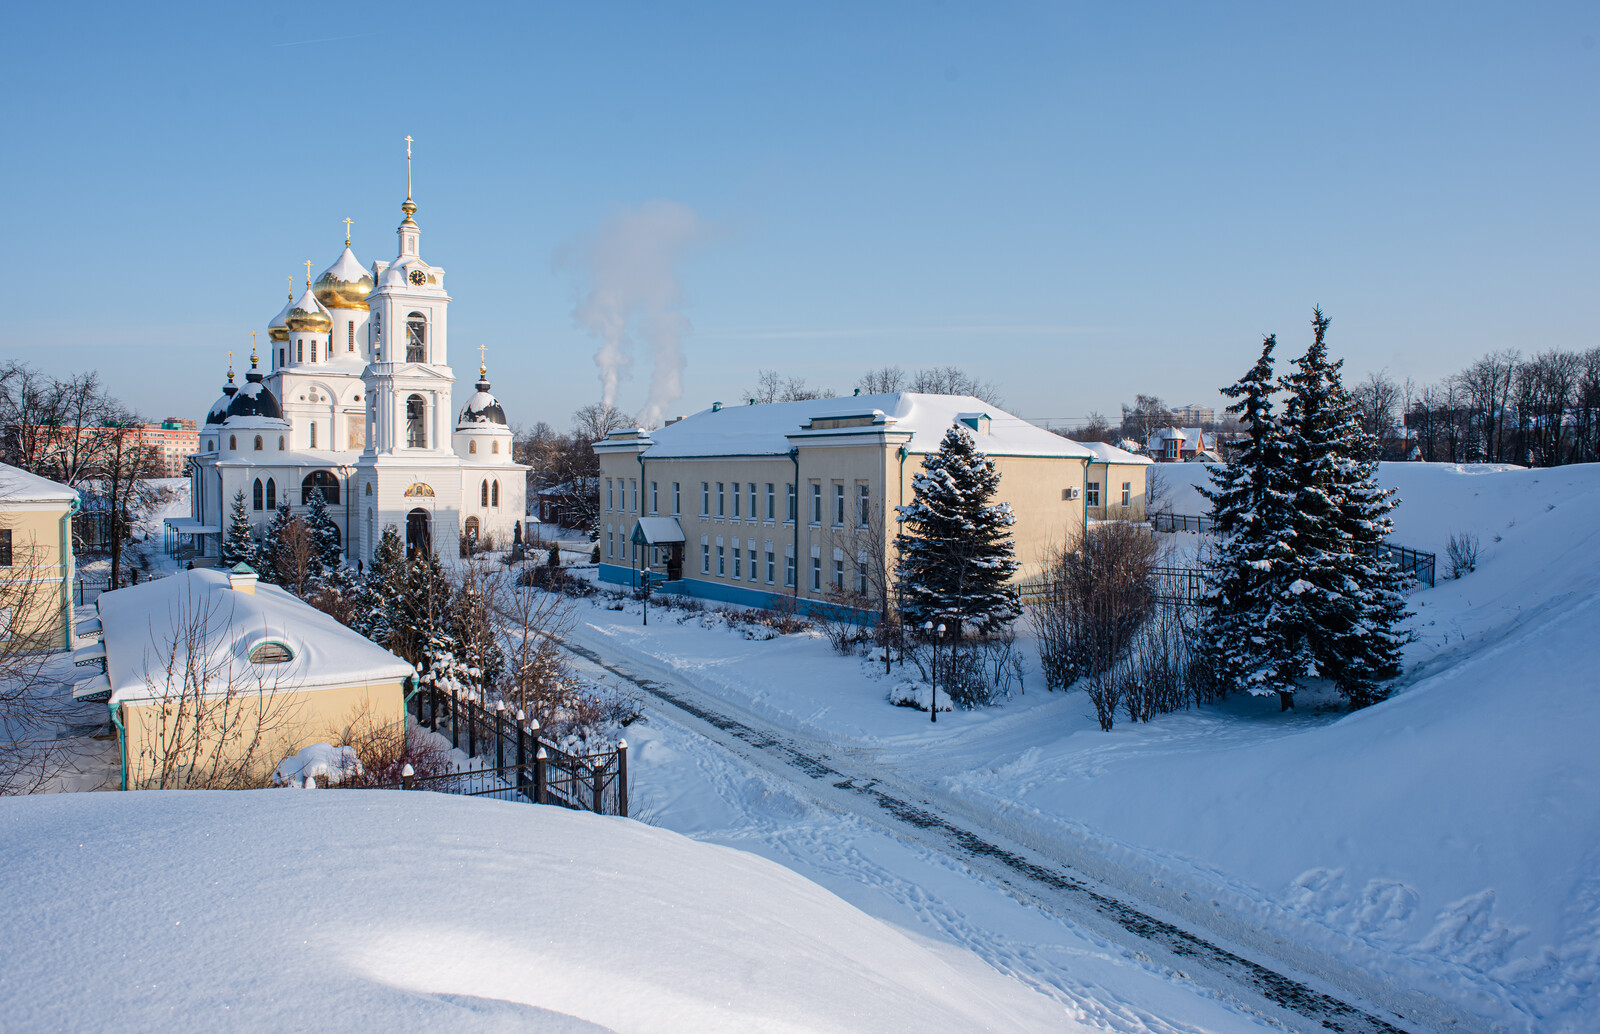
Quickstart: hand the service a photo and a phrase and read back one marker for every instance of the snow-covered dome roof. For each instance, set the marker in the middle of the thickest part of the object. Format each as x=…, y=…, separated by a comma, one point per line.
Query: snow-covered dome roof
x=309, y=315
x=345, y=284
x=254, y=400
x=482, y=407
x=219, y=409
x=394, y=276
x=278, y=329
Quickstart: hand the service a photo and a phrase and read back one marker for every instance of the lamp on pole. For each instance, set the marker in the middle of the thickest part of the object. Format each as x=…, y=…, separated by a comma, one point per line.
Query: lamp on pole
x=934, y=633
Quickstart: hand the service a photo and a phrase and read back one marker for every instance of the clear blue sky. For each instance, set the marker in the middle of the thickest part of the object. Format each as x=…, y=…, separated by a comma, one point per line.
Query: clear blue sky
x=1078, y=202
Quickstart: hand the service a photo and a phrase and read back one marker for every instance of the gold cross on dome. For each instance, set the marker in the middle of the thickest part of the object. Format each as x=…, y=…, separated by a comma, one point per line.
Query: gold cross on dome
x=481, y=350
x=230, y=360
x=408, y=168
x=308, y=272
x=291, y=285
x=347, y=223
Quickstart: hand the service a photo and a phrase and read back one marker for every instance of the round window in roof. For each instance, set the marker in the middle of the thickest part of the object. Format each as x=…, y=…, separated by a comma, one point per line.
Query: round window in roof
x=271, y=652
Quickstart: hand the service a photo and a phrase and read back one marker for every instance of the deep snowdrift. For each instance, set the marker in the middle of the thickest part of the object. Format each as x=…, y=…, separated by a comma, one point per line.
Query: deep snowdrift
x=344, y=911
x=1449, y=837
x=1455, y=824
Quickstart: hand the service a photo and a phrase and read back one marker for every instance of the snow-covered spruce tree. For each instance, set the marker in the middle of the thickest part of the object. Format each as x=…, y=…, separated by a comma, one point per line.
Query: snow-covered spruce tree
x=956, y=553
x=377, y=598
x=238, y=546
x=1250, y=500
x=327, y=555
x=268, y=549
x=1343, y=597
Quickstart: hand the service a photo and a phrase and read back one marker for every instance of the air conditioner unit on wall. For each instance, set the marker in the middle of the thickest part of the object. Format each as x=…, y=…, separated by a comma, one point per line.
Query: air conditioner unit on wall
x=1071, y=493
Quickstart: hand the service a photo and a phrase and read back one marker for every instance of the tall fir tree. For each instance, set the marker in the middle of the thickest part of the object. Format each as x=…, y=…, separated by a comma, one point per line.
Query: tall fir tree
x=1250, y=503
x=1343, y=598
x=238, y=546
x=327, y=556
x=957, y=556
x=377, y=597
x=270, y=547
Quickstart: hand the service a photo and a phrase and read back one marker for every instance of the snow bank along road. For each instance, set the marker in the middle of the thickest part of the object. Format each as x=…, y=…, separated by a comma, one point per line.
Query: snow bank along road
x=1298, y=990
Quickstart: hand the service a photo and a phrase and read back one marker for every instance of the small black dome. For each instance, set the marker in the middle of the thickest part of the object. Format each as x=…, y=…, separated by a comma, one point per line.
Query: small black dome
x=255, y=400
x=482, y=407
x=219, y=409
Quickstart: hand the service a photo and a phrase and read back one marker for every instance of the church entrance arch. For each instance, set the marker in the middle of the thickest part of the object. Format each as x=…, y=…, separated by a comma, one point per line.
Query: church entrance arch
x=419, y=533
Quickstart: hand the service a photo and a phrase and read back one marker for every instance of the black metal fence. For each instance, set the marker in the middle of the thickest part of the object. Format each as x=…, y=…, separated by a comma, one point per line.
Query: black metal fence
x=1414, y=562
x=522, y=766
x=1180, y=522
x=1185, y=586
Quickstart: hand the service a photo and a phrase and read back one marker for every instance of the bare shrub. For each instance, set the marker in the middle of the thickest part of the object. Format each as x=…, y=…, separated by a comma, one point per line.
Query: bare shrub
x=1096, y=598
x=972, y=672
x=782, y=615
x=384, y=749
x=845, y=620
x=1462, y=551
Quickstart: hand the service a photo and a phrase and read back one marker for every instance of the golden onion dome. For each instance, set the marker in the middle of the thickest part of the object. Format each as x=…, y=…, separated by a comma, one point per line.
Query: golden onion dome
x=278, y=330
x=308, y=315
x=345, y=284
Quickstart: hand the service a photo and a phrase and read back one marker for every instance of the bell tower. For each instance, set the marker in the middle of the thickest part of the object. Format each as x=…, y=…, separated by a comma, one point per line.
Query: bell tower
x=409, y=379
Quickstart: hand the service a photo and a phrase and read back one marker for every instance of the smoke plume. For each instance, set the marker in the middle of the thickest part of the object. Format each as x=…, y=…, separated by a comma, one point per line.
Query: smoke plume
x=633, y=299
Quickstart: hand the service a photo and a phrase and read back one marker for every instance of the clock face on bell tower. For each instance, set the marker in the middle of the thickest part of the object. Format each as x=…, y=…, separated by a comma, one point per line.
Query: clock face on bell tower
x=418, y=277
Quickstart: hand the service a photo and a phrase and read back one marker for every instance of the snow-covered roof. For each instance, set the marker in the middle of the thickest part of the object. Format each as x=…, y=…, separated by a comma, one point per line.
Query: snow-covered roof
x=346, y=268
x=280, y=320
x=1111, y=454
x=770, y=430
x=658, y=531
x=19, y=486
x=482, y=407
x=308, y=313
x=141, y=621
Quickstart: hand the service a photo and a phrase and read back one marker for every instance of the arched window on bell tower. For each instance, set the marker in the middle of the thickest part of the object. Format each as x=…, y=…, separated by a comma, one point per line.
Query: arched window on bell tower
x=416, y=338
x=416, y=422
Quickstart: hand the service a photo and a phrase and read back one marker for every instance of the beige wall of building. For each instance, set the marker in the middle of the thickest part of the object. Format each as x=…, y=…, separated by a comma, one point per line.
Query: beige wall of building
x=36, y=570
x=249, y=729
x=829, y=473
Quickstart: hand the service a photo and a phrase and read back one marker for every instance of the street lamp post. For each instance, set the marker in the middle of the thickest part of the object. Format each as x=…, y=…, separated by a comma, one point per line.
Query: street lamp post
x=933, y=686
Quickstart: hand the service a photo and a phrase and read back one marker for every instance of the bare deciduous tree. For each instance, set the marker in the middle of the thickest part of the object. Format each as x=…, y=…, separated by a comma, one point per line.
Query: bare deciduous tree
x=213, y=723
x=882, y=381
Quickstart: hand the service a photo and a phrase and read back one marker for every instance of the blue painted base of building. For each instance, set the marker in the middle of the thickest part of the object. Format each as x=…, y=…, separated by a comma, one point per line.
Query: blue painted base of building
x=719, y=592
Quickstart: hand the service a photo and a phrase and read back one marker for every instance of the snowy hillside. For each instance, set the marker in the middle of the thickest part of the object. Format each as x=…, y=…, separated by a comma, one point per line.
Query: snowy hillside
x=284, y=910
x=1444, y=838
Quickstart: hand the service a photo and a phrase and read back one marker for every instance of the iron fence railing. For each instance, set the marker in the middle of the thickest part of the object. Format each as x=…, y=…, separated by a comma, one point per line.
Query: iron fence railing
x=1180, y=522
x=521, y=766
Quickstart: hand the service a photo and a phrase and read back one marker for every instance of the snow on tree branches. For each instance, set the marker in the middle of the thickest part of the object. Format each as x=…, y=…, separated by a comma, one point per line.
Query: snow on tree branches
x=956, y=553
x=1301, y=583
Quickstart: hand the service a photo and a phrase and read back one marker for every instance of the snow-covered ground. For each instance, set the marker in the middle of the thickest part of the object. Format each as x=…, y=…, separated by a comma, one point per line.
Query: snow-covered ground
x=1445, y=838
x=281, y=910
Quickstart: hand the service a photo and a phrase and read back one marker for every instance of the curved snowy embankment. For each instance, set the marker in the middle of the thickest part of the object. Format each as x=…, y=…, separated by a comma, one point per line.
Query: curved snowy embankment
x=368, y=910
x=1455, y=824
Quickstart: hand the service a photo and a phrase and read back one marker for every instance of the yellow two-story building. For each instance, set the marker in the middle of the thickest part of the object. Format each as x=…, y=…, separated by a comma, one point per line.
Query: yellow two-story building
x=746, y=504
x=36, y=563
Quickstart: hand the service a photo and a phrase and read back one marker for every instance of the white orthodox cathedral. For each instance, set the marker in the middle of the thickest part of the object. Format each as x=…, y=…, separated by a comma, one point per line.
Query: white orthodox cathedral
x=355, y=404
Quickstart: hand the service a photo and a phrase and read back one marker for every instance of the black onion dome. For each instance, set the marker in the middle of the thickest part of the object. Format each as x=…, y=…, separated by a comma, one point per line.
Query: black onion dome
x=255, y=399
x=482, y=407
x=219, y=409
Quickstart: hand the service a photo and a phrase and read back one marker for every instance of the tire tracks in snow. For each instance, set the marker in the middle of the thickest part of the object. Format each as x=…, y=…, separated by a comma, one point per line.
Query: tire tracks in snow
x=1050, y=886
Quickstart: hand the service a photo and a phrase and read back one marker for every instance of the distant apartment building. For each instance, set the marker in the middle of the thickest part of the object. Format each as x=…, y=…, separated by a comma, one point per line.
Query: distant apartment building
x=1194, y=415
x=172, y=442
x=168, y=443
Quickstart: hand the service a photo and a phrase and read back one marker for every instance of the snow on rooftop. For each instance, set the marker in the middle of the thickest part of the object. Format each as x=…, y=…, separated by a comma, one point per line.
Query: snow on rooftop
x=366, y=910
x=19, y=486
x=765, y=430
x=1111, y=454
x=345, y=268
x=141, y=622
